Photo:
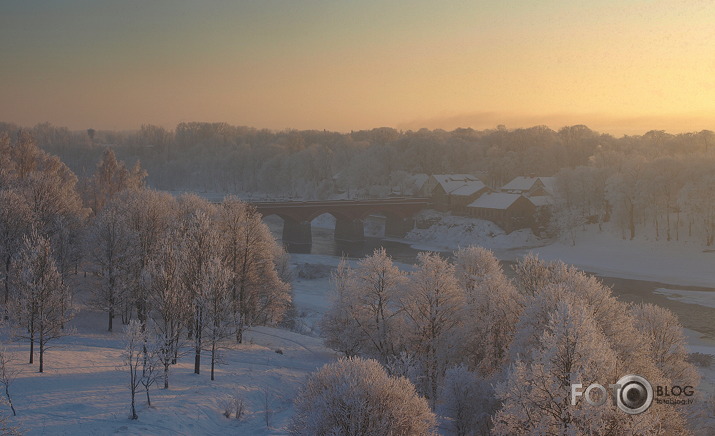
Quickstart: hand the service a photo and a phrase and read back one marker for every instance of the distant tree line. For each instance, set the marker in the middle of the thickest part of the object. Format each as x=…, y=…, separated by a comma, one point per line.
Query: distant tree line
x=656, y=185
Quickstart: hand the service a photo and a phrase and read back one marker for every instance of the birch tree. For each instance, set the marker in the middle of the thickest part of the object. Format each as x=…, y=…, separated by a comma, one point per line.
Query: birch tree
x=433, y=308
x=42, y=300
x=168, y=300
x=258, y=294
x=112, y=247
x=493, y=307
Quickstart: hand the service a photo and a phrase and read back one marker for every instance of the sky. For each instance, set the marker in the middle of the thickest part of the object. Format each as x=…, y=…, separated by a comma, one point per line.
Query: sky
x=620, y=67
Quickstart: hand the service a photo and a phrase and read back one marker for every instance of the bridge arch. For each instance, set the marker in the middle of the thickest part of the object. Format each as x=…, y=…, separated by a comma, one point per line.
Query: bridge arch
x=349, y=217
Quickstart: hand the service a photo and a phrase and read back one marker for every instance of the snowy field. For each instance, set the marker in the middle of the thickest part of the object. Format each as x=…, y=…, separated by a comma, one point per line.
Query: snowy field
x=451, y=232
x=85, y=392
x=677, y=263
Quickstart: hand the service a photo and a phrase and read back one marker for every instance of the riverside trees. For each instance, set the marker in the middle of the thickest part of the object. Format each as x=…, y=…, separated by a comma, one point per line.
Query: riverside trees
x=466, y=334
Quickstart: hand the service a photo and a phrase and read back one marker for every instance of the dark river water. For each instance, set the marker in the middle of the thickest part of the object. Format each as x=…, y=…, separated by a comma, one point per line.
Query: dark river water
x=692, y=316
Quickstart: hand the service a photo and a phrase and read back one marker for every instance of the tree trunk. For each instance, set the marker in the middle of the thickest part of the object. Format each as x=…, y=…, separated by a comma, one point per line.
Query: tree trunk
x=239, y=333
x=148, y=400
x=42, y=351
x=213, y=359
x=631, y=222
x=197, y=355
x=8, y=259
x=32, y=341
x=9, y=400
x=166, y=376
x=134, y=410
x=111, y=318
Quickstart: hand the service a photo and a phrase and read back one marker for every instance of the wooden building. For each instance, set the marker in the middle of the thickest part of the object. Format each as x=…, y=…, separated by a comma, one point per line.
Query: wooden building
x=508, y=211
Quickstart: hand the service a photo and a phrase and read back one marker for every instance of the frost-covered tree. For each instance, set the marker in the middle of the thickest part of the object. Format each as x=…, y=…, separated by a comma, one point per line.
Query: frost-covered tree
x=112, y=248
x=493, y=306
x=537, y=393
x=132, y=356
x=7, y=376
x=666, y=343
x=338, y=326
x=200, y=243
x=16, y=220
x=357, y=397
x=569, y=294
x=376, y=310
x=369, y=298
x=532, y=274
x=214, y=300
x=112, y=177
x=258, y=294
x=151, y=362
x=168, y=300
x=149, y=216
x=434, y=308
x=42, y=300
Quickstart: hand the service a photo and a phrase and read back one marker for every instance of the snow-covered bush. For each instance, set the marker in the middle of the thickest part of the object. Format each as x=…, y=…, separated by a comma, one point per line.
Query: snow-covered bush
x=233, y=404
x=357, y=397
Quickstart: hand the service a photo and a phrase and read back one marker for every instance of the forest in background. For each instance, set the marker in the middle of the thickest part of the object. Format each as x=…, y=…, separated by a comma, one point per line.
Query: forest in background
x=656, y=185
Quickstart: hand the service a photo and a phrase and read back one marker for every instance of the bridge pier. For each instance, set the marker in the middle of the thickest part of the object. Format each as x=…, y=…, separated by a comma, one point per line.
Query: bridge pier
x=398, y=227
x=297, y=232
x=349, y=230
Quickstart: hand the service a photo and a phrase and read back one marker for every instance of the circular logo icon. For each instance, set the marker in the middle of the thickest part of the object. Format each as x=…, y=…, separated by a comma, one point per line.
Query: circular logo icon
x=635, y=394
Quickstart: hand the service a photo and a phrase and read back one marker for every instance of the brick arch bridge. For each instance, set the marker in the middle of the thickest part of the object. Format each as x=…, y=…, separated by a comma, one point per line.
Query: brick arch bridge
x=349, y=216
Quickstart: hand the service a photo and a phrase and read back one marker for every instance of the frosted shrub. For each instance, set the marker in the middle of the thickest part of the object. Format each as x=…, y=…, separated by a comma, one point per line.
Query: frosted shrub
x=357, y=397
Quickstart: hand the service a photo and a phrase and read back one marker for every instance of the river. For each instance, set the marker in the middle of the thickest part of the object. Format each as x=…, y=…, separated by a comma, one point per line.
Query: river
x=692, y=316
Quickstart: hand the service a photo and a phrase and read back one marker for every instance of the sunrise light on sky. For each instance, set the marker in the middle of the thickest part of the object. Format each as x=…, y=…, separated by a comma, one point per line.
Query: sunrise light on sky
x=616, y=66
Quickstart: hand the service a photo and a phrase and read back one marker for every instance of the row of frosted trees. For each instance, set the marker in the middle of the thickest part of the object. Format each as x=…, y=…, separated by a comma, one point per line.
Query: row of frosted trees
x=189, y=272
x=187, y=269
x=495, y=355
x=659, y=197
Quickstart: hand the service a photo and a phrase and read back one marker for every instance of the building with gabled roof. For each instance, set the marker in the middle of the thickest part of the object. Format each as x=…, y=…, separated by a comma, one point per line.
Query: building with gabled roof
x=508, y=211
x=453, y=192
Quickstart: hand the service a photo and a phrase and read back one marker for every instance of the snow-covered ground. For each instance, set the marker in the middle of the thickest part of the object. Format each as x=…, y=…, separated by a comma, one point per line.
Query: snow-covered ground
x=84, y=391
x=702, y=298
x=451, y=232
x=677, y=263
x=658, y=261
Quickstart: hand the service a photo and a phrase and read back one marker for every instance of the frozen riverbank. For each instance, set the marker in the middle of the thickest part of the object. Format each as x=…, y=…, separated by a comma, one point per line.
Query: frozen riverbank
x=676, y=263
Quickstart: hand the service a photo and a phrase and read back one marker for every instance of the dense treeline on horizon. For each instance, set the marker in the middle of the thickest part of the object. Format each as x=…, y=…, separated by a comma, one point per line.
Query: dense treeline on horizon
x=656, y=185
x=222, y=157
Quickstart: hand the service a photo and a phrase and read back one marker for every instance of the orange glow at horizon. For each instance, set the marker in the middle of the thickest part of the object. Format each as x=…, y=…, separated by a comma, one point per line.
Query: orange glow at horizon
x=617, y=67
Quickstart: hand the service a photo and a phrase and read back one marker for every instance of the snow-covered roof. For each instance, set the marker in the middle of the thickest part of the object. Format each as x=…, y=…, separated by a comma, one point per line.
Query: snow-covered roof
x=549, y=184
x=469, y=188
x=419, y=179
x=524, y=184
x=450, y=182
x=495, y=200
x=541, y=200
x=520, y=184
